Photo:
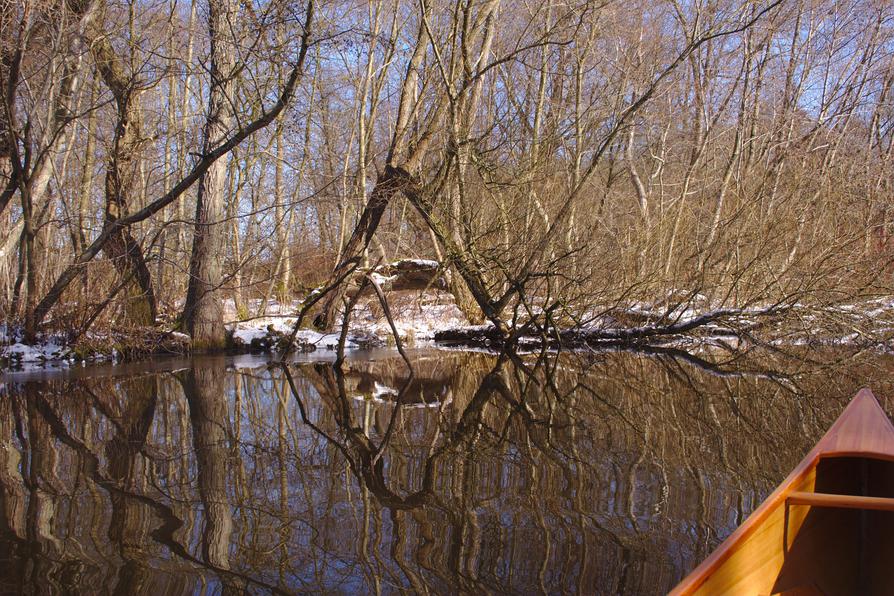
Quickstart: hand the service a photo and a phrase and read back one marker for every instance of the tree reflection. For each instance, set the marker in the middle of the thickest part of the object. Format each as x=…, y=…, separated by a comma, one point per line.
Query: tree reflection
x=204, y=388
x=476, y=473
x=12, y=484
x=131, y=519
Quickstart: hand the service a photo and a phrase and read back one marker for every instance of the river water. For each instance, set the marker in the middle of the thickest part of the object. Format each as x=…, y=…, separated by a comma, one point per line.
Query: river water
x=606, y=473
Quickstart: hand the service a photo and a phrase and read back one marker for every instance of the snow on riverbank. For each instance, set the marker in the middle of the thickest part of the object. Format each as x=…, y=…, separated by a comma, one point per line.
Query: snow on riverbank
x=42, y=352
x=417, y=299
x=266, y=333
x=56, y=351
x=422, y=317
x=417, y=317
x=679, y=319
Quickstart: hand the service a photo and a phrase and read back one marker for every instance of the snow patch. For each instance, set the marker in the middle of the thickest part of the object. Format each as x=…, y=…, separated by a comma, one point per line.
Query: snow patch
x=381, y=279
x=420, y=263
x=265, y=332
x=41, y=352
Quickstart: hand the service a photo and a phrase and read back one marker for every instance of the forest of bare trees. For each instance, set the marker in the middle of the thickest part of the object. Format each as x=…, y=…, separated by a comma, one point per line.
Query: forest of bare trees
x=160, y=158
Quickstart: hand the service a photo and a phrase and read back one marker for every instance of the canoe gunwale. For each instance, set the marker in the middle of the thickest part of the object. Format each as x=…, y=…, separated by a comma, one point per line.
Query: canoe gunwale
x=881, y=456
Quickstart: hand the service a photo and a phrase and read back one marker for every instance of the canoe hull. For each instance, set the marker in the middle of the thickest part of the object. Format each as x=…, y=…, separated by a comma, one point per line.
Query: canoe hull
x=787, y=546
x=752, y=568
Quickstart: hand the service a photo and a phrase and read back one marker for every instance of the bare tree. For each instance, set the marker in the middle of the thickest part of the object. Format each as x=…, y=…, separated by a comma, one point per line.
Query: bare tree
x=560, y=160
x=264, y=116
x=202, y=314
x=121, y=247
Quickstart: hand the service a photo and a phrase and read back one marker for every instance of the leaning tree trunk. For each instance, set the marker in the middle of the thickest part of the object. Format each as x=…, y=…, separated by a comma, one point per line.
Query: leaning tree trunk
x=122, y=249
x=203, y=313
x=387, y=185
x=405, y=156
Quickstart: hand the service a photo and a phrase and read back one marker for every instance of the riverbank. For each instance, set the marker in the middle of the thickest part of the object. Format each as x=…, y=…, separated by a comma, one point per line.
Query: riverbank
x=417, y=316
x=431, y=317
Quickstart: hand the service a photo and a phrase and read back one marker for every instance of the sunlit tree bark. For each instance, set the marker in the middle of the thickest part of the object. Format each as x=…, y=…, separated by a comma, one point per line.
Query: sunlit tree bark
x=202, y=314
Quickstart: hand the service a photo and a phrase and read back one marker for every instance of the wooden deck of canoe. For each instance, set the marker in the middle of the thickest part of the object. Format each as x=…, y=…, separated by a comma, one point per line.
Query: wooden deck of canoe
x=827, y=529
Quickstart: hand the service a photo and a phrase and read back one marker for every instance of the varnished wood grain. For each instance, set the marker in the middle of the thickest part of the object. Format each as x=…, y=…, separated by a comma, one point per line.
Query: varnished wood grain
x=840, y=501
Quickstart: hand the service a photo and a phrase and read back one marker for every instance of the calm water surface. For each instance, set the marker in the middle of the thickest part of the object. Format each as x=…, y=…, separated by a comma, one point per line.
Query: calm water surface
x=608, y=473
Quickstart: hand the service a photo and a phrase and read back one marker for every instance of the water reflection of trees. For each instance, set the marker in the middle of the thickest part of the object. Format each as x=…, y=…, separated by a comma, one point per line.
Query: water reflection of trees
x=475, y=473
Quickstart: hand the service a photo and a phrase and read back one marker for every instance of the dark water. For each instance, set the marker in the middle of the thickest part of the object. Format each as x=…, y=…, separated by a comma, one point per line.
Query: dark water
x=609, y=473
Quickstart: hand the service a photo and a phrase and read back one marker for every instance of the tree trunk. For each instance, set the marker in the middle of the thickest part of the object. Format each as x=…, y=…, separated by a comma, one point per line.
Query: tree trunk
x=85, y=189
x=203, y=313
x=122, y=248
x=388, y=184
